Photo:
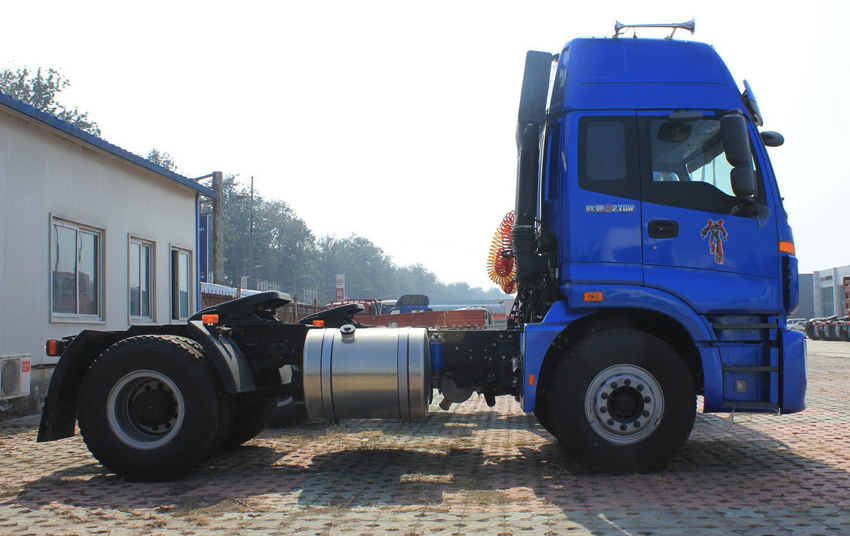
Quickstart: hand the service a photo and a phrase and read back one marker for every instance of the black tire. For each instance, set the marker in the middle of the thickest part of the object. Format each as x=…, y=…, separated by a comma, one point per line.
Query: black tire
x=249, y=421
x=811, y=331
x=151, y=408
x=844, y=333
x=834, y=333
x=642, y=384
x=288, y=413
x=541, y=411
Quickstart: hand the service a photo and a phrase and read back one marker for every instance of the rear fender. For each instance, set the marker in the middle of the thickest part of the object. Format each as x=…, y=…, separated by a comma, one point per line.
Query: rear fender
x=225, y=355
x=60, y=406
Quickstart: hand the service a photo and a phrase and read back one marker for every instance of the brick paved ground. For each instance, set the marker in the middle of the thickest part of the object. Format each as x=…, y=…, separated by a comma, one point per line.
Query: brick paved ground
x=472, y=470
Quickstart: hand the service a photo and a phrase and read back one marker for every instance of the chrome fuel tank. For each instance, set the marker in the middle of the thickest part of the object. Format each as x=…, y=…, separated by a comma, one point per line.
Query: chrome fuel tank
x=374, y=373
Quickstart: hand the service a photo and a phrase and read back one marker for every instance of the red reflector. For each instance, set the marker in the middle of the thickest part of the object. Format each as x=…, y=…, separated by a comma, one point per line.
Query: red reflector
x=531, y=379
x=319, y=323
x=209, y=320
x=786, y=246
x=593, y=296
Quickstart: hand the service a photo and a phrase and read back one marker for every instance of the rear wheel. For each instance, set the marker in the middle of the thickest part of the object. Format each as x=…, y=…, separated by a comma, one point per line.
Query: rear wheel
x=288, y=413
x=150, y=408
x=622, y=401
x=249, y=421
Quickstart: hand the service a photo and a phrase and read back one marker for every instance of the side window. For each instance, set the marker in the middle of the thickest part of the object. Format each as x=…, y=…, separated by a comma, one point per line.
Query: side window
x=608, y=156
x=75, y=270
x=141, y=279
x=689, y=166
x=181, y=288
x=550, y=165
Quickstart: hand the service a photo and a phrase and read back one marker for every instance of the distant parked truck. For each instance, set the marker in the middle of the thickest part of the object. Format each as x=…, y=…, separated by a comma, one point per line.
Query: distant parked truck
x=651, y=255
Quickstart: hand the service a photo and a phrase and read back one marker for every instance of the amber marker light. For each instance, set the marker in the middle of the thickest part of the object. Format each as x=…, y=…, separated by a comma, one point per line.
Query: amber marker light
x=593, y=296
x=319, y=323
x=786, y=246
x=209, y=320
x=53, y=348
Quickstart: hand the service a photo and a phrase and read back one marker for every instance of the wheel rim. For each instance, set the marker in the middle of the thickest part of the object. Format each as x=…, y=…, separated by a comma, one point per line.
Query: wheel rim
x=624, y=404
x=145, y=409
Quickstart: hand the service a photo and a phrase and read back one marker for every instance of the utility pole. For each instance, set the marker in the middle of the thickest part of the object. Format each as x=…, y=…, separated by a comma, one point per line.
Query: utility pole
x=251, y=243
x=218, y=227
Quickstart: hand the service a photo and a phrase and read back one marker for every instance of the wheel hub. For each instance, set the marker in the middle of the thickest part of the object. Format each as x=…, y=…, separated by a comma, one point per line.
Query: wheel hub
x=153, y=408
x=624, y=404
x=145, y=409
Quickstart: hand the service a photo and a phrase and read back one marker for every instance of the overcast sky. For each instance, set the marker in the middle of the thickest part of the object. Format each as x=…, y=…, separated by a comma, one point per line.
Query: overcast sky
x=395, y=120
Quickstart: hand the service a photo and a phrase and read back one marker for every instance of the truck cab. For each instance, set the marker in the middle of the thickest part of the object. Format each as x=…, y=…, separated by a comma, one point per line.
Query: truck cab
x=653, y=209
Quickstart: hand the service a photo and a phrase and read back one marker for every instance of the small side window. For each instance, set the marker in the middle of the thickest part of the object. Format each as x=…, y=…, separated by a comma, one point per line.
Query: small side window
x=608, y=156
x=181, y=288
x=141, y=279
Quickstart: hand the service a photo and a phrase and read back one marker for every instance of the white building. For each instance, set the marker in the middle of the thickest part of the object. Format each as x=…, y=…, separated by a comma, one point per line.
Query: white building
x=829, y=293
x=92, y=237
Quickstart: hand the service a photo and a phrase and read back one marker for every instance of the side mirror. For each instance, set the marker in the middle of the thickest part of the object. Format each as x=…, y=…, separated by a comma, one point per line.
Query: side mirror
x=743, y=182
x=736, y=144
x=772, y=139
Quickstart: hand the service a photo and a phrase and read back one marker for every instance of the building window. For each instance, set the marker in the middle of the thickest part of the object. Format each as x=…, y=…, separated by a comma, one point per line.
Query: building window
x=76, y=254
x=827, y=298
x=141, y=279
x=181, y=289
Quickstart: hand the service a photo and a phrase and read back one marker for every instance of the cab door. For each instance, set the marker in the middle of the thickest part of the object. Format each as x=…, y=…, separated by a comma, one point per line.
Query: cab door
x=700, y=241
x=600, y=238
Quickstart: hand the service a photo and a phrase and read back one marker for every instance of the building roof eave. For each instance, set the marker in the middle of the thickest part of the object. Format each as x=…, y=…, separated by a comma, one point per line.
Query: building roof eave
x=100, y=143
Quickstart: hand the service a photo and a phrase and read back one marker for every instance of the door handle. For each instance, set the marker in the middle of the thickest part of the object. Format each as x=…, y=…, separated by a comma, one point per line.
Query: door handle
x=663, y=229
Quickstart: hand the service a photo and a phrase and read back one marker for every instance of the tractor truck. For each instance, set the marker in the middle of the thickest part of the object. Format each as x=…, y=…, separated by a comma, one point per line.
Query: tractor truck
x=653, y=263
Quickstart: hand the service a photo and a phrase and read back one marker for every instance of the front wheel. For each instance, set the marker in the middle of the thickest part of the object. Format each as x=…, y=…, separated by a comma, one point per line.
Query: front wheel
x=622, y=401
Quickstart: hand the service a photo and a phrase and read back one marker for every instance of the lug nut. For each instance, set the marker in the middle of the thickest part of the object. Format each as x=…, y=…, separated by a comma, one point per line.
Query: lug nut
x=627, y=381
x=610, y=421
x=623, y=427
x=646, y=413
x=647, y=399
x=603, y=409
x=613, y=385
x=637, y=424
x=640, y=387
x=604, y=396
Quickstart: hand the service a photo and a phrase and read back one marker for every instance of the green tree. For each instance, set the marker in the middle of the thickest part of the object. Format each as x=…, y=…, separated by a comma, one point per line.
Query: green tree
x=161, y=158
x=40, y=91
x=287, y=252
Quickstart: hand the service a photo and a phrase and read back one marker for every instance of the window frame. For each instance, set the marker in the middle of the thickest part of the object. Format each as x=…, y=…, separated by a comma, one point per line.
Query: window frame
x=172, y=280
x=99, y=232
x=142, y=242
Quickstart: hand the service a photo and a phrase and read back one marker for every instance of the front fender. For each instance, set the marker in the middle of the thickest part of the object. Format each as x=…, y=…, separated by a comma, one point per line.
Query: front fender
x=538, y=337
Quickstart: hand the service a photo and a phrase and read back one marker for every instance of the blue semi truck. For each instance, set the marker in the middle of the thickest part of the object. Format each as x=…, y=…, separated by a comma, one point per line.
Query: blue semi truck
x=654, y=263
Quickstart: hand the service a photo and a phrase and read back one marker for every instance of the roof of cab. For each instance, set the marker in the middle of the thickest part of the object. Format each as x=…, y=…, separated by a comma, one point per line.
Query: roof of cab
x=631, y=74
